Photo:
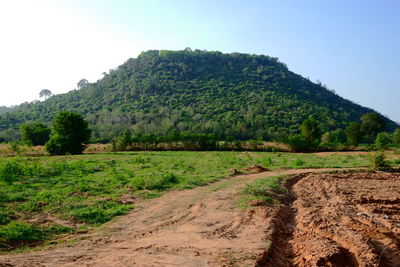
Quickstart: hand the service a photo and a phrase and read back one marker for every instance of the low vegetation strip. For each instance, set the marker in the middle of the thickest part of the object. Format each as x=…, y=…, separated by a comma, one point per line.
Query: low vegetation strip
x=45, y=197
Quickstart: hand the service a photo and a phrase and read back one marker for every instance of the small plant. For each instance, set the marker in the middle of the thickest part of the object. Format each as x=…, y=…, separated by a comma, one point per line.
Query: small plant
x=299, y=162
x=379, y=162
x=11, y=170
x=15, y=147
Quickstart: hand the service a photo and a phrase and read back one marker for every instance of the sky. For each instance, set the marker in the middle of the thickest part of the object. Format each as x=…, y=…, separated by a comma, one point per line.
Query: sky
x=352, y=46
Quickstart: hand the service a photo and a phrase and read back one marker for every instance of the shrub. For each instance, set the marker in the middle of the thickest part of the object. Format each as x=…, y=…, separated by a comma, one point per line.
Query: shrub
x=34, y=133
x=383, y=140
x=298, y=143
x=122, y=141
x=379, y=162
x=70, y=134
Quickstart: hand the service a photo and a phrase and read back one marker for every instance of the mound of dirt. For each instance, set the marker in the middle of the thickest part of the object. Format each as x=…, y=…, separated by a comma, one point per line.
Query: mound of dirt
x=128, y=199
x=235, y=172
x=256, y=168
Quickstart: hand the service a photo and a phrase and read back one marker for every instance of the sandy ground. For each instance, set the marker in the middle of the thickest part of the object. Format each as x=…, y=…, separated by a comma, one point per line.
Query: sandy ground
x=328, y=220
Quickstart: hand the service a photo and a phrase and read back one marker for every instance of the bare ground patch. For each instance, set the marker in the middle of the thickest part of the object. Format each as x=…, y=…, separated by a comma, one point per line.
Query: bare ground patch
x=338, y=219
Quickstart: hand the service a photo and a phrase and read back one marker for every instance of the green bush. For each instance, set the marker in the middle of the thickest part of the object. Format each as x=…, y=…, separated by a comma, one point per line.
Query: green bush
x=383, y=140
x=34, y=133
x=379, y=162
x=122, y=141
x=299, y=143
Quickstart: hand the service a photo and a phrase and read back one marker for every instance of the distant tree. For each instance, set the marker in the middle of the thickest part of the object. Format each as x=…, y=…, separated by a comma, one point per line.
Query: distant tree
x=298, y=143
x=383, y=140
x=353, y=133
x=396, y=137
x=82, y=84
x=372, y=124
x=34, y=133
x=46, y=93
x=70, y=134
x=326, y=138
x=310, y=130
x=337, y=136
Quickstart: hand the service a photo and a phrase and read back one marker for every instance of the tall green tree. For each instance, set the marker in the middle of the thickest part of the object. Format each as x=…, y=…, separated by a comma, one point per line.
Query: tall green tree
x=35, y=134
x=353, y=133
x=70, y=134
x=372, y=124
x=310, y=129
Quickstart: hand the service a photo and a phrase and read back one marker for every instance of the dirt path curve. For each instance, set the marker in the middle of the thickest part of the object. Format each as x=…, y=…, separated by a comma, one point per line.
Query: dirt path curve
x=198, y=227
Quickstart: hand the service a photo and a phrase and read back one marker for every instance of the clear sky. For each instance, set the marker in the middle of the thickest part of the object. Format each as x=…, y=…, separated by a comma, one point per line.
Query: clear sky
x=352, y=46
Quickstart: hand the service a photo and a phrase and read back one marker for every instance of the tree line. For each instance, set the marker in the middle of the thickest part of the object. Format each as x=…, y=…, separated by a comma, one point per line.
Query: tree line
x=70, y=134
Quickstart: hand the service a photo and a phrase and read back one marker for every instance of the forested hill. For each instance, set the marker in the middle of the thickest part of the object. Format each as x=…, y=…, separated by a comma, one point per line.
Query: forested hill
x=238, y=95
x=4, y=109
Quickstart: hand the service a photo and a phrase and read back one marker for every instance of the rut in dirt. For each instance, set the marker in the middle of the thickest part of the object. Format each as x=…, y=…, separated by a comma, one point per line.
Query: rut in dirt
x=339, y=219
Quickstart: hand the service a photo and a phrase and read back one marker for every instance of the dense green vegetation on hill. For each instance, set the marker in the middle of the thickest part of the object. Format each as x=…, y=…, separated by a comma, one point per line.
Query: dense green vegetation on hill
x=239, y=96
x=4, y=109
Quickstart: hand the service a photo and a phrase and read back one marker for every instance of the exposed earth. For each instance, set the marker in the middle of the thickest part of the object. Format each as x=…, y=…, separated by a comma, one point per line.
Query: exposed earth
x=337, y=219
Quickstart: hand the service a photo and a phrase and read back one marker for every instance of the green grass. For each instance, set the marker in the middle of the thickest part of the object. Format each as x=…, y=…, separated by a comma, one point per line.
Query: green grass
x=85, y=189
x=267, y=190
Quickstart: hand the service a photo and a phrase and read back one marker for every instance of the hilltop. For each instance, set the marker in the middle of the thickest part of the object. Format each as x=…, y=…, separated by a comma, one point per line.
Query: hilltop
x=234, y=95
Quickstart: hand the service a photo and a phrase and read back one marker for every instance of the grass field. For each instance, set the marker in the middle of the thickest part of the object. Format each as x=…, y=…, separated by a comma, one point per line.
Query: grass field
x=45, y=197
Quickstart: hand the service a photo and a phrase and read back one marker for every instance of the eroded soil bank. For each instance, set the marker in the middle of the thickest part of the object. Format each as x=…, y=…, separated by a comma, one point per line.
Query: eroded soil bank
x=338, y=219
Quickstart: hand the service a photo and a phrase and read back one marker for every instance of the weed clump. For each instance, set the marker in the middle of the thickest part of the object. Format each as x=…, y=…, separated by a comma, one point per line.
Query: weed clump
x=266, y=190
x=379, y=162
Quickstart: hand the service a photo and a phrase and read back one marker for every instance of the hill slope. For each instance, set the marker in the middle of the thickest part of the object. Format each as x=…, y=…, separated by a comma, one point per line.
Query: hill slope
x=238, y=95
